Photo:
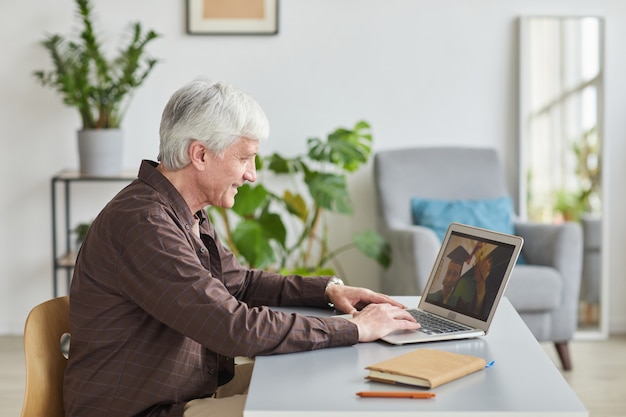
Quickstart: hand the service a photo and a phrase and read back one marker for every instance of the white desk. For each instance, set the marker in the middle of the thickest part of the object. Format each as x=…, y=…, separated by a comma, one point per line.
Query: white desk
x=523, y=381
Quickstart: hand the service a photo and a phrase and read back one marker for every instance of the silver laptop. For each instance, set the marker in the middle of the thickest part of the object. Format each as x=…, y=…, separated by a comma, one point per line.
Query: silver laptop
x=465, y=286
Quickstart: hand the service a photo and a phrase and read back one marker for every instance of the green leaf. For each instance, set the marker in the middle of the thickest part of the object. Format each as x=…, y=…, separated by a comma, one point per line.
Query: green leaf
x=347, y=149
x=252, y=242
x=374, y=246
x=258, y=162
x=281, y=165
x=249, y=199
x=273, y=227
x=330, y=192
x=308, y=272
x=296, y=205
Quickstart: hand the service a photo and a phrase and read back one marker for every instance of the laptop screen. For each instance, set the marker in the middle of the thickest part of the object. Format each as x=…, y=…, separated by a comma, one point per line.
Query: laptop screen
x=470, y=274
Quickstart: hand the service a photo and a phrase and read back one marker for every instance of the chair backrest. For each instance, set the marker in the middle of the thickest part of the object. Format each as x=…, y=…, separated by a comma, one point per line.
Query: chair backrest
x=433, y=172
x=45, y=362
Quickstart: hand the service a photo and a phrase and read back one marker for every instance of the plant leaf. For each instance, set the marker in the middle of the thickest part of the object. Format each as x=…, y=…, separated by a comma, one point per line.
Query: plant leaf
x=296, y=205
x=273, y=227
x=281, y=165
x=347, y=149
x=249, y=199
x=304, y=271
x=252, y=242
x=330, y=192
x=374, y=246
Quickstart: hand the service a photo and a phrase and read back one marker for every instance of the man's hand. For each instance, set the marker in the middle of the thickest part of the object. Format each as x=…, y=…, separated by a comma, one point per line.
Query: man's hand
x=348, y=299
x=378, y=320
x=375, y=314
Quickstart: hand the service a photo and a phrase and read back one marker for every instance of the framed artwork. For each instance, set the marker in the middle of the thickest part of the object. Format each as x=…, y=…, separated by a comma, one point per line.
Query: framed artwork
x=232, y=17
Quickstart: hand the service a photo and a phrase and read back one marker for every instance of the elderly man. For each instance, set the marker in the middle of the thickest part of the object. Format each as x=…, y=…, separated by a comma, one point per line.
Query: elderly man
x=159, y=307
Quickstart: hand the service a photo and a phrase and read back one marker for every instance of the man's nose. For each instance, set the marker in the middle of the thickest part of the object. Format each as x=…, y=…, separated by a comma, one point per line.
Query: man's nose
x=250, y=174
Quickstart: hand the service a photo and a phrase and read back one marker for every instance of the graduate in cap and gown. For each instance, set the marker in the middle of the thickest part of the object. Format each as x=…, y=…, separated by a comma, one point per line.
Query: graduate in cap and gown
x=452, y=276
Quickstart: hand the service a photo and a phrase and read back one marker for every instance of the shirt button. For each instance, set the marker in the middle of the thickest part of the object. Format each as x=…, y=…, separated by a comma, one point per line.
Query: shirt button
x=211, y=371
x=202, y=250
x=187, y=227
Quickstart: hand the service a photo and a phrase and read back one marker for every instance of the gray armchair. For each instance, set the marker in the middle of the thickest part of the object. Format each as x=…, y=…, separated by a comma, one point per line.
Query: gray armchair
x=544, y=291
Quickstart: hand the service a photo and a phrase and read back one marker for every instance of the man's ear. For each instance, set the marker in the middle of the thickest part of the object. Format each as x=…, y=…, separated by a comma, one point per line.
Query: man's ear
x=197, y=154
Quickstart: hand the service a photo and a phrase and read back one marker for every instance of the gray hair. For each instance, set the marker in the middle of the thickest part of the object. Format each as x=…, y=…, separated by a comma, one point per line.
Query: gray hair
x=214, y=113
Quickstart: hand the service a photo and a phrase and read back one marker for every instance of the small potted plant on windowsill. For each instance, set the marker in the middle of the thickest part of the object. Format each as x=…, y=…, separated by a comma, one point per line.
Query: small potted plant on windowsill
x=99, y=88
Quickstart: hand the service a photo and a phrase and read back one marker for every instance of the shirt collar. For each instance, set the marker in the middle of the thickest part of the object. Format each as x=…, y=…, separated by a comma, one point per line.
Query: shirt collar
x=149, y=174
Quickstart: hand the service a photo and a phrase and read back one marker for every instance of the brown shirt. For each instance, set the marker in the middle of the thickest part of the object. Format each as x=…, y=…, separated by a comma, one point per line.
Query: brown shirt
x=157, y=313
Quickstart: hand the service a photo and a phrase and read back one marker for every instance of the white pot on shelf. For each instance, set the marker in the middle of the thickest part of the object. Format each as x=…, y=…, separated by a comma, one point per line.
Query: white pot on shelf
x=100, y=152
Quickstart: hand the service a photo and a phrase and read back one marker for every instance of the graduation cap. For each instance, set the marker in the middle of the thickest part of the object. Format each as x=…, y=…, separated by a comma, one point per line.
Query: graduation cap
x=459, y=255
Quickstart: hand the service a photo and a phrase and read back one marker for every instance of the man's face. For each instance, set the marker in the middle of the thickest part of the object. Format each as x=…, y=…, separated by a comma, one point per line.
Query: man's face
x=225, y=174
x=453, y=273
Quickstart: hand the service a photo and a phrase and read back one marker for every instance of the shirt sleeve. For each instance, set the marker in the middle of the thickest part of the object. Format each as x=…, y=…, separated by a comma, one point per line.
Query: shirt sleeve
x=169, y=274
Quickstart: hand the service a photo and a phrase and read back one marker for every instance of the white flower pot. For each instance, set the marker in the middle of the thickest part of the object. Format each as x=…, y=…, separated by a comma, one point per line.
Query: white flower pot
x=100, y=152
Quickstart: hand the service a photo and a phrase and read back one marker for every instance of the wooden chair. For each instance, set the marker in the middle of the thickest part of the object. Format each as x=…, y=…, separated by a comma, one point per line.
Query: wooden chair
x=45, y=362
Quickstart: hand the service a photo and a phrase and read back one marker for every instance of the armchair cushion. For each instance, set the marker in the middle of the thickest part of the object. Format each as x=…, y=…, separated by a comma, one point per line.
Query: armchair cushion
x=490, y=213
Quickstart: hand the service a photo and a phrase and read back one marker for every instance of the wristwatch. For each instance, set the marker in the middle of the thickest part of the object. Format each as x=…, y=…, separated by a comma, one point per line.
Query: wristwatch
x=332, y=281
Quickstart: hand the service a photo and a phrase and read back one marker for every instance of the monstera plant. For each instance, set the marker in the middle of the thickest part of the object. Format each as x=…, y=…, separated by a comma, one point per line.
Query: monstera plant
x=288, y=231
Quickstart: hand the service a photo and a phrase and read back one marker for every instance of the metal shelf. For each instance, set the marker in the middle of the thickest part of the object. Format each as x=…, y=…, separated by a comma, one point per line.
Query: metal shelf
x=62, y=257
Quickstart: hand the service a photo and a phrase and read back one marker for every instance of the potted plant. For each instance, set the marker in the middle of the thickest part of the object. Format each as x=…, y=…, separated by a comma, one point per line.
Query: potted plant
x=288, y=231
x=585, y=199
x=99, y=88
x=80, y=231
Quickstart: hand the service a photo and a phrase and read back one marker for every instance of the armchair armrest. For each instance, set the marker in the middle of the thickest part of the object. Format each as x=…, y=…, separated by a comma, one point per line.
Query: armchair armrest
x=413, y=251
x=559, y=246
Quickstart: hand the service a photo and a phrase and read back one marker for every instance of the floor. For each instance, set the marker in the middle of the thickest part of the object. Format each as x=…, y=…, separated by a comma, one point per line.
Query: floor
x=598, y=377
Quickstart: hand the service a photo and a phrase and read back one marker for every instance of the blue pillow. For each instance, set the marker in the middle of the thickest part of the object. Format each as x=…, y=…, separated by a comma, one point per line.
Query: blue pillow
x=494, y=213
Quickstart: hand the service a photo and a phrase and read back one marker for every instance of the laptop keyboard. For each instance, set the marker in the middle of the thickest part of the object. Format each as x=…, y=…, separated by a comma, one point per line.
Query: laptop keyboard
x=432, y=324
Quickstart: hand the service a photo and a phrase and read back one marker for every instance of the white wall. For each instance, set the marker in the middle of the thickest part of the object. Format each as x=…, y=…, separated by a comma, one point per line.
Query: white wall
x=420, y=71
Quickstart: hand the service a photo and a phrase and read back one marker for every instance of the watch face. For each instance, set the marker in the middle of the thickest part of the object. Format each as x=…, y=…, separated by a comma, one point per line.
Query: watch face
x=335, y=281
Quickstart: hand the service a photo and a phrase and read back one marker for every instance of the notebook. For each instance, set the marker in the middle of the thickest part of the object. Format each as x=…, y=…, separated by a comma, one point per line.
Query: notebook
x=466, y=284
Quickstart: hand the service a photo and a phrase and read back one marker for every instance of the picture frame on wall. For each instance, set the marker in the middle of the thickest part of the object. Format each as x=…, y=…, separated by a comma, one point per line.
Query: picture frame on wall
x=232, y=17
